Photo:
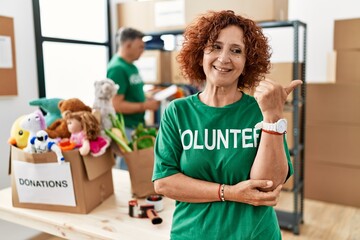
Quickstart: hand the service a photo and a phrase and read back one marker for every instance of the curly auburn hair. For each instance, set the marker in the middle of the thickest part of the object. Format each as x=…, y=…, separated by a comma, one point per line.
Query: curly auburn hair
x=205, y=30
x=89, y=123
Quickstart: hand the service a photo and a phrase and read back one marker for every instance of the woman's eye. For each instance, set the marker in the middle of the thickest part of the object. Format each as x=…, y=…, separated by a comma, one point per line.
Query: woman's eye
x=216, y=47
x=236, y=51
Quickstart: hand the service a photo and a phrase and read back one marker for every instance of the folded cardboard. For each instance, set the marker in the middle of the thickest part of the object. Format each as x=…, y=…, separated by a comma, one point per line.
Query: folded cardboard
x=333, y=143
x=164, y=15
x=333, y=103
x=91, y=179
x=332, y=183
x=347, y=34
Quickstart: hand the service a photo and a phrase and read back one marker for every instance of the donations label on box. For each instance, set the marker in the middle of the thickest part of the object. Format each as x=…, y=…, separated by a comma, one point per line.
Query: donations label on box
x=45, y=183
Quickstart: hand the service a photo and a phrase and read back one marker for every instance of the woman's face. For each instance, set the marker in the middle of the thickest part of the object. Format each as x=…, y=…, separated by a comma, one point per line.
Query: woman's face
x=224, y=60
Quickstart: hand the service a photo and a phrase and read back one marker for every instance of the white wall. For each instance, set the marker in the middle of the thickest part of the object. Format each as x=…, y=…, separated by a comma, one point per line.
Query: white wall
x=15, y=106
x=319, y=16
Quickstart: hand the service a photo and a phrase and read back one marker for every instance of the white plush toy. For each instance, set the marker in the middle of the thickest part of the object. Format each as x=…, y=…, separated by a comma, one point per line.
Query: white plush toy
x=105, y=90
x=32, y=123
x=42, y=143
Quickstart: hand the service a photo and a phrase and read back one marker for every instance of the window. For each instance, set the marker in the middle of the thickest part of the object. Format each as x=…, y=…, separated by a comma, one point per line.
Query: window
x=72, y=45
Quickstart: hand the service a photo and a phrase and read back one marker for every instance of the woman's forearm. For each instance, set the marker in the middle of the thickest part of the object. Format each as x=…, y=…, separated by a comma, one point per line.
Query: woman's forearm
x=270, y=162
x=186, y=189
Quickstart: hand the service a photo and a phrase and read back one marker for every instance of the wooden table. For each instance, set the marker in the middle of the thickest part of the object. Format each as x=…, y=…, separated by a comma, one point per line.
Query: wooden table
x=110, y=220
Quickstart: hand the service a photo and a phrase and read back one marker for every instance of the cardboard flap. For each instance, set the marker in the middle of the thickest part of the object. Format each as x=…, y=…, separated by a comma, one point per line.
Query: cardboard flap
x=19, y=154
x=97, y=166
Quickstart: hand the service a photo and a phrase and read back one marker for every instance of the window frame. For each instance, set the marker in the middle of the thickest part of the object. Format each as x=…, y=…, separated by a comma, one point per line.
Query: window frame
x=40, y=39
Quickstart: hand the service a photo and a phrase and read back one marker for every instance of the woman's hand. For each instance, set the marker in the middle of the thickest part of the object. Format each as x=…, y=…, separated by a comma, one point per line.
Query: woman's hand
x=248, y=192
x=271, y=98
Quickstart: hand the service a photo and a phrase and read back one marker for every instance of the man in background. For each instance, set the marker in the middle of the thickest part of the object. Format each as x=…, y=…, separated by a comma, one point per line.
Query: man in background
x=130, y=99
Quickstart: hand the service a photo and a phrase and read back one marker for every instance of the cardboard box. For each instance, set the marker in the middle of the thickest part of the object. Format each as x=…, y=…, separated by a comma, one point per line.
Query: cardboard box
x=333, y=103
x=165, y=15
x=136, y=14
x=257, y=10
x=332, y=183
x=347, y=34
x=333, y=143
x=176, y=76
x=283, y=72
x=347, y=67
x=154, y=66
x=77, y=186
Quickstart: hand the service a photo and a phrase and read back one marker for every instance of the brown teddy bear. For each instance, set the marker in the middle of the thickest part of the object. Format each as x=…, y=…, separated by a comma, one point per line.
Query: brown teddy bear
x=59, y=129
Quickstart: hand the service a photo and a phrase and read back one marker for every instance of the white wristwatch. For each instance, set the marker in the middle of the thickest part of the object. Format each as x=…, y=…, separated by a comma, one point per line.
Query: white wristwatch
x=278, y=127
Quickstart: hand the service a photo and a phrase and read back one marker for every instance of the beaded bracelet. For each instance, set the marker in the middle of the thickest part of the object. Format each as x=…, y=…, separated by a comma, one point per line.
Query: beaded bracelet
x=222, y=197
x=219, y=190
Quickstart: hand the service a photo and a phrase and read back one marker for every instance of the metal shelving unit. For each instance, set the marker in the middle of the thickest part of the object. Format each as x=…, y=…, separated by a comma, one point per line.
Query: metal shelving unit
x=292, y=220
x=289, y=220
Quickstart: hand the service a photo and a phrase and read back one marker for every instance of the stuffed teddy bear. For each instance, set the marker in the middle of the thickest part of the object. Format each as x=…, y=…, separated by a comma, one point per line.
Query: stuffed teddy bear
x=50, y=106
x=105, y=90
x=85, y=133
x=59, y=129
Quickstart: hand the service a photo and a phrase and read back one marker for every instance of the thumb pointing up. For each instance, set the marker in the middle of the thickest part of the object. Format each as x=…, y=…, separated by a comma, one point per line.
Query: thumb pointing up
x=292, y=86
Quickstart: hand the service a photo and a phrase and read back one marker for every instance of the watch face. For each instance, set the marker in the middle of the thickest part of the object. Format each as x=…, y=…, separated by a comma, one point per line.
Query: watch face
x=281, y=126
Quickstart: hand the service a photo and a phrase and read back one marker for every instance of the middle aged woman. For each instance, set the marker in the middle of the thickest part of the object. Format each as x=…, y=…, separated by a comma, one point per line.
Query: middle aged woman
x=211, y=156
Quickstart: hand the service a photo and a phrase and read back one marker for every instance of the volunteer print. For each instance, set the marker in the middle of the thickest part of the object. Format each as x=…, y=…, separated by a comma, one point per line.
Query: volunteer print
x=216, y=139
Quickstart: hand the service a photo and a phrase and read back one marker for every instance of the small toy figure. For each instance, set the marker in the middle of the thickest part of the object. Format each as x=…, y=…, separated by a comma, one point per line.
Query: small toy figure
x=18, y=136
x=33, y=123
x=85, y=133
x=42, y=143
x=105, y=90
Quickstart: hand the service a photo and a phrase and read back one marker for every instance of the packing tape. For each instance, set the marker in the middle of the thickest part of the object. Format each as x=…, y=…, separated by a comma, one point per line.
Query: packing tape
x=156, y=200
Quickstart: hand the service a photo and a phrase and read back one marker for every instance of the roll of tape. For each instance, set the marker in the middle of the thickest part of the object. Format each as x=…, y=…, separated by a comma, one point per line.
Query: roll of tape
x=156, y=200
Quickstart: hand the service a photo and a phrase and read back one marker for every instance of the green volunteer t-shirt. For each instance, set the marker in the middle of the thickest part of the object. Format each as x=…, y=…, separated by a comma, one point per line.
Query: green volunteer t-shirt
x=216, y=144
x=126, y=75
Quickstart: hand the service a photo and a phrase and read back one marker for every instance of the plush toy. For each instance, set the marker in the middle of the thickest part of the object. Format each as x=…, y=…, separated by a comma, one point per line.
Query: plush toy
x=42, y=143
x=105, y=90
x=58, y=129
x=50, y=106
x=18, y=136
x=85, y=133
x=33, y=123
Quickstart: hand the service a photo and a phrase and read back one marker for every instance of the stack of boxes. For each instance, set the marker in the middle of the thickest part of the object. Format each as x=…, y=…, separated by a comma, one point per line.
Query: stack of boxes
x=168, y=15
x=174, y=15
x=332, y=169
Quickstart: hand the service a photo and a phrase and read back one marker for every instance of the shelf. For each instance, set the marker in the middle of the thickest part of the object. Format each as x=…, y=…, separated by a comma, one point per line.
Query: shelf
x=289, y=220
